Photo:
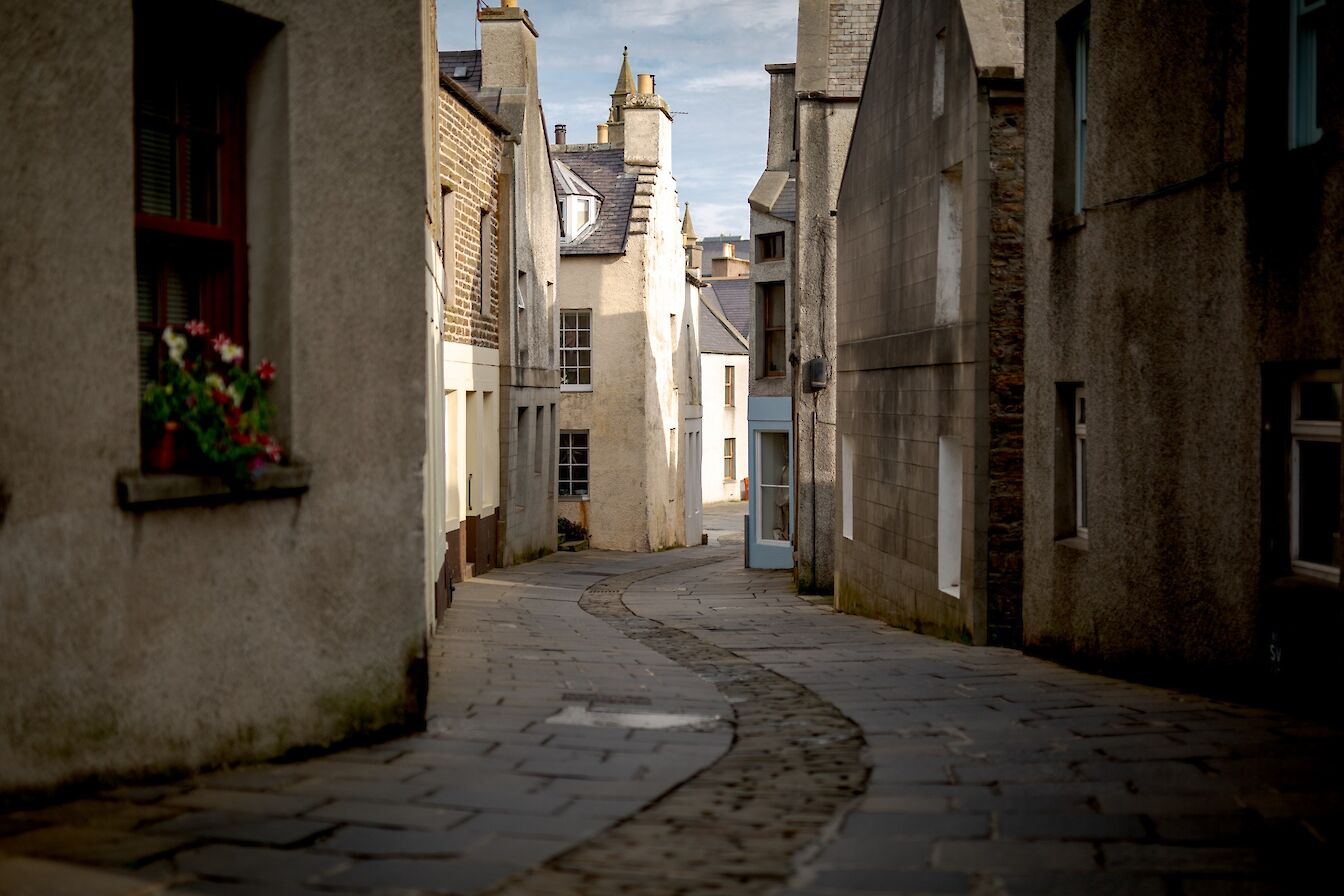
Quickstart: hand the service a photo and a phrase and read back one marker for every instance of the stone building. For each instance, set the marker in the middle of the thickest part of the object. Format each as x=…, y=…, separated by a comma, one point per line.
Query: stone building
x=517, y=387
x=471, y=214
x=155, y=622
x=724, y=370
x=929, y=374
x=792, y=408
x=1184, y=325
x=629, y=409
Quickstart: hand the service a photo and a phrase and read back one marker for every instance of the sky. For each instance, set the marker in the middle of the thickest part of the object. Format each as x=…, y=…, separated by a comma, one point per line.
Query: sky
x=708, y=57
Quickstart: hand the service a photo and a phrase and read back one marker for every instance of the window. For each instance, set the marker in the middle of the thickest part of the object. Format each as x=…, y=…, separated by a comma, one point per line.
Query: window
x=949, y=515
x=1314, y=520
x=775, y=344
x=770, y=247
x=580, y=216
x=539, y=443
x=847, y=487
x=772, y=492
x=446, y=252
x=1080, y=461
x=573, y=464
x=576, y=351
x=939, y=71
x=485, y=269
x=1303, y=108
x=947, y=280
x=729, y=385
x=191, y=250
x=1072, y=50
x=730, y=459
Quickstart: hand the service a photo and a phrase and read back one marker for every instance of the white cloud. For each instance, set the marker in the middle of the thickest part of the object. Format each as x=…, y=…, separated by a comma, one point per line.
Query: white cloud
x=729, y=79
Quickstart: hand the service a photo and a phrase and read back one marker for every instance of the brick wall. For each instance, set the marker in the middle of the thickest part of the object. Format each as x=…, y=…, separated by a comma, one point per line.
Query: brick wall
x=469, y=158
x=852, y=26
x=1006, y=380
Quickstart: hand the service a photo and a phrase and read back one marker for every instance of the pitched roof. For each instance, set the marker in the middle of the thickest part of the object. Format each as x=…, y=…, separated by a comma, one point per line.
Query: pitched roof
x=604, y=170
x=467, y=62
x=775, y=194
x=733, y=295
x=718, y=336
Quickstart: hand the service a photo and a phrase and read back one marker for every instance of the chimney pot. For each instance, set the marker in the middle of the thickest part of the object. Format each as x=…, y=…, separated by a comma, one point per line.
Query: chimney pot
x=560, y=132
x=646, y=85
x=601, y=133
x=509, y=4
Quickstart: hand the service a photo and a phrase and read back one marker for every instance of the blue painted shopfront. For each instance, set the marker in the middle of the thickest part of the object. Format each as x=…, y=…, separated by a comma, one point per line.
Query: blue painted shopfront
x=770, y=468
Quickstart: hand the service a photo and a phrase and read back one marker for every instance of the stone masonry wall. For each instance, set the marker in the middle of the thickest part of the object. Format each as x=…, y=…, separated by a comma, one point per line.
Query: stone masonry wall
x=468, y=161
x=1007, y=280
x=852, y=26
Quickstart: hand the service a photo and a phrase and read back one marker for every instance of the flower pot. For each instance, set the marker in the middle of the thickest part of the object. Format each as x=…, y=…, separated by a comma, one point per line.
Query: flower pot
x=163, y=453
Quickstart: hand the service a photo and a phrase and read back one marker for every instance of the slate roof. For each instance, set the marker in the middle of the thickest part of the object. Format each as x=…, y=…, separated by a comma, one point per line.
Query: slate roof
x=470, y=60
x=786, y=206
x=733, y=295
x=718, y=336
x=604, y=170
x=713, y=248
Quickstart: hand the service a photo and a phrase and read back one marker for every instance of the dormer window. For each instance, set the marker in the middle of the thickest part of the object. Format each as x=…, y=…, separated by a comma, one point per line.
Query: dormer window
x=580, y=216
x=579, y=203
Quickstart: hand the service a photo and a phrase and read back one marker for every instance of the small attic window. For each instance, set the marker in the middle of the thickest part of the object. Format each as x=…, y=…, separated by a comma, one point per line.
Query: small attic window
x=580, y=216
x=460, y=71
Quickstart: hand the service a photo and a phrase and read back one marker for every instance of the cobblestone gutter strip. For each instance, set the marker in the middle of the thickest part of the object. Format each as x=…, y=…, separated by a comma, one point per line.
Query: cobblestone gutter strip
x=735, y=827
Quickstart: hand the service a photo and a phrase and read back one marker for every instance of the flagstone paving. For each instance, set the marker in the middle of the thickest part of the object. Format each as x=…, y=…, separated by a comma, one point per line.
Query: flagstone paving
x=673, y=723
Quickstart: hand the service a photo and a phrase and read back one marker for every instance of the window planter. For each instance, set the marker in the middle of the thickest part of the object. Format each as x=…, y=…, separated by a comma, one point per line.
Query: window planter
x=138, y=492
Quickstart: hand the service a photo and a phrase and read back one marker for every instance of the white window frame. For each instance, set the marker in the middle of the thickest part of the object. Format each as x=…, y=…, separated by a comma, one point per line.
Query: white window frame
x=730, y=460
x=1308, y=431
x=566, y=435
x=1080, y=507
x=572, y=206
x=762, y=490
x=1303, y=43
x=729, y=386
x=582, y=315
x=951, y=515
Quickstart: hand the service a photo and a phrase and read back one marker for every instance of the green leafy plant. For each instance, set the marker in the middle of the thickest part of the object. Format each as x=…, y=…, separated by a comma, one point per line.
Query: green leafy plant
x=207, y=390
x=571, y=530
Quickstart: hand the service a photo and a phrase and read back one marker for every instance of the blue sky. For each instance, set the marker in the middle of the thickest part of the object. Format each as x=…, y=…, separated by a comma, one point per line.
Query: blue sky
x=708, y=56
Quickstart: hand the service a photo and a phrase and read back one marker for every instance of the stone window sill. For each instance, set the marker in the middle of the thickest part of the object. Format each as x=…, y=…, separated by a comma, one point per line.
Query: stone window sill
x=1062, y=227
x=570, y=499
x=1077, y=542
x=138, y=492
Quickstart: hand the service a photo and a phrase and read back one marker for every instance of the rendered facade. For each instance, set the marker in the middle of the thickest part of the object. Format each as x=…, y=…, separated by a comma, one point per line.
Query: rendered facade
x=630, y=438
x=519, y=394
x=930, y=291
x=127, y=602
x=812, y=108
x=1184, y=330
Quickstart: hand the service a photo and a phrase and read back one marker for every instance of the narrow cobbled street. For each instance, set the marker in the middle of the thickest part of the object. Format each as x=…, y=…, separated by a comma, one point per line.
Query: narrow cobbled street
x=672, y=723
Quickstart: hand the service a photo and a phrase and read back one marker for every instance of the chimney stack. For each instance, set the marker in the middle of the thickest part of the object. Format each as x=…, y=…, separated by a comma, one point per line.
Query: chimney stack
x=602, y=134
x=560, y=132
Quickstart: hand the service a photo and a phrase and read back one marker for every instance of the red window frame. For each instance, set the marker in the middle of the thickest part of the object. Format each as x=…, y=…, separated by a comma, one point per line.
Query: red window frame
x=208, y=250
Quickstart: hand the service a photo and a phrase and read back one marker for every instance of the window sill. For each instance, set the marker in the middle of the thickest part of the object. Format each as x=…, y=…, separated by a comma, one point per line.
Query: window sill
x=564, y=388
x=1062, y=227
x=1076, y=542
x=138, y=492
x=573, y=499
x=951, y=591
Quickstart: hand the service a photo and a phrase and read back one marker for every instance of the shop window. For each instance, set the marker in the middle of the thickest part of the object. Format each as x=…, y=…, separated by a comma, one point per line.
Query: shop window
x=772, y=510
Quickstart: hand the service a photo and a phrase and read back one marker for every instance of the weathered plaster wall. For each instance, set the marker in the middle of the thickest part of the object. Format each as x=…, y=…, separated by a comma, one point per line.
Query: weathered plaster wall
x=529, y=333
x=142, y=642
x=636, y=407
x=723, y=421
x=1208, y=256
